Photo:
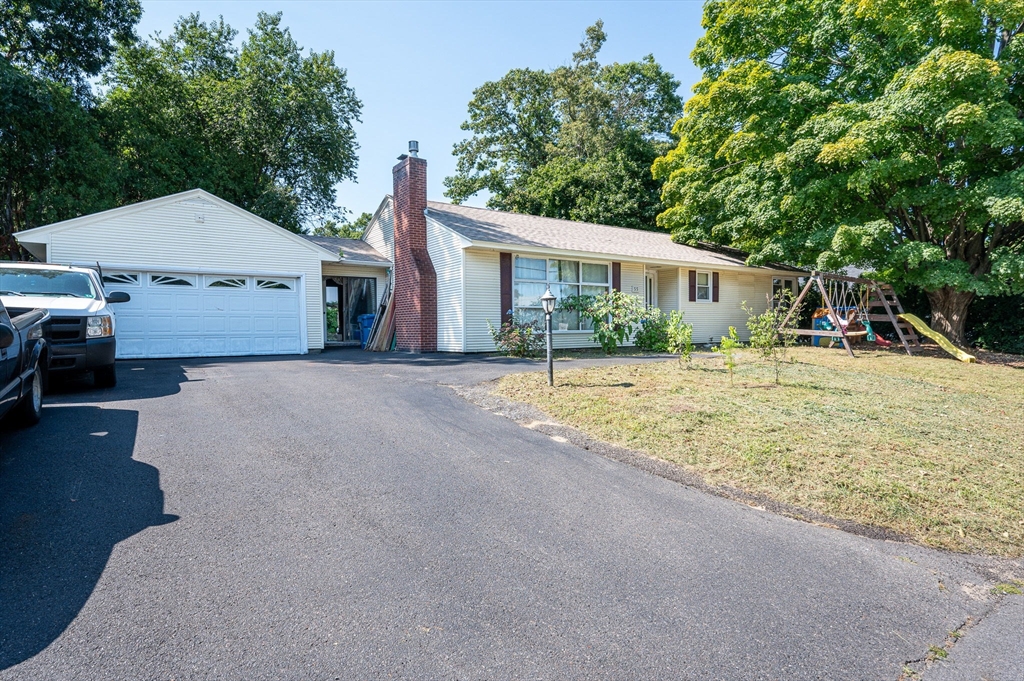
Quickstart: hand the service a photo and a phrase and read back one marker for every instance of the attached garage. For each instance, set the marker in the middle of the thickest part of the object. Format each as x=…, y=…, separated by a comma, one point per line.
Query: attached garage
x=206, y=278
x=191, y=314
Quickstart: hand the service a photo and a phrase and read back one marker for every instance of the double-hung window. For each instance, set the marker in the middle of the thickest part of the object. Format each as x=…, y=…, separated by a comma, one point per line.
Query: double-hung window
x=704, y=287
x=532, y=276
x=778, y=286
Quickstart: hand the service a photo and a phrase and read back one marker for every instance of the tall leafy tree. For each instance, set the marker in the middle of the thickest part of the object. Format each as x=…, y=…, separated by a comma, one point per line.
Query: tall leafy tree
x=881, y=133
x=52, y=166
x=65, y=40
x=575, y=143
x=265, y=126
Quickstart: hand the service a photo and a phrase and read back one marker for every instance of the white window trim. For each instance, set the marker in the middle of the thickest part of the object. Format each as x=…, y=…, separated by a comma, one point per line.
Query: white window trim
x=209, y=280
x=607, y=285
x=710, y=287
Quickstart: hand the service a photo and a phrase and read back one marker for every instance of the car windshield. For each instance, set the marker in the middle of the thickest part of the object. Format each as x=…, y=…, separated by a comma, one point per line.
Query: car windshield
x=46, y=283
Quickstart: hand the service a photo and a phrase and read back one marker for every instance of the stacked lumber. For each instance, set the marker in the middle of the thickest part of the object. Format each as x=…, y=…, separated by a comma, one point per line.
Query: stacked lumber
x=382, y=333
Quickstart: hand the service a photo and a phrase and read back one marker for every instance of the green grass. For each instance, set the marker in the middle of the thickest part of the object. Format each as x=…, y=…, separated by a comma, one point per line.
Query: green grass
x=925, y=446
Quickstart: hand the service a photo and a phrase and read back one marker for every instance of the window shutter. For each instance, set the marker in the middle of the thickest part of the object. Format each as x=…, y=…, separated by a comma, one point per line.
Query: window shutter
x=714, y=287
x=693, y=286
x=617, y=276
x=505, y=265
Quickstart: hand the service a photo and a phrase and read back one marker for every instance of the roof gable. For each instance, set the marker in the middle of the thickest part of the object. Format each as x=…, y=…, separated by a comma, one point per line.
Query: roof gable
x=192, y=196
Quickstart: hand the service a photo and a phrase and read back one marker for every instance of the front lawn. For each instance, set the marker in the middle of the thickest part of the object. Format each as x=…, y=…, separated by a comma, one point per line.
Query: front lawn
x=925, y=446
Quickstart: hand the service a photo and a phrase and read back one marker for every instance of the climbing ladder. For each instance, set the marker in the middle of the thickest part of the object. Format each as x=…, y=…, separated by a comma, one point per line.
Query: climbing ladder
x=884, y=296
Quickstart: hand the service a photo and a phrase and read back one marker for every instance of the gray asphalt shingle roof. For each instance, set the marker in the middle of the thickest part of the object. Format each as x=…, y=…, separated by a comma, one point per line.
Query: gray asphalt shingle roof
x=352, y=250
x=515, y=229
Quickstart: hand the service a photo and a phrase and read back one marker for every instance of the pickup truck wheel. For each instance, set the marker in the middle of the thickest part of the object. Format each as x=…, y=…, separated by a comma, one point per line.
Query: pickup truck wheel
x=105, y=377
x=30, y=409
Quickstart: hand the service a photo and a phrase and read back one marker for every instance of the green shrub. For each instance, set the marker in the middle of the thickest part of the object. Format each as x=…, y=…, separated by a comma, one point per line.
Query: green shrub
x=653, y=332
x=517, y=337
x=615, y=316
x=728, y=348
x=680, y=336
x=765, y=328
x=332, y=319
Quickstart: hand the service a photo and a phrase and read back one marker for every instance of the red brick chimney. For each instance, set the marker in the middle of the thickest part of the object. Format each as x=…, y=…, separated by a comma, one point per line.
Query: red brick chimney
x=415, y=279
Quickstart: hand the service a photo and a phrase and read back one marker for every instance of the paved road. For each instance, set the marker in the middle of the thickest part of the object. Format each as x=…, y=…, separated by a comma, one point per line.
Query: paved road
x=346, y=516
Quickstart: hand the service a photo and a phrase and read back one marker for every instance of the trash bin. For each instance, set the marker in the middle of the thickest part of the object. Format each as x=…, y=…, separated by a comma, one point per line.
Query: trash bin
x=365, y=324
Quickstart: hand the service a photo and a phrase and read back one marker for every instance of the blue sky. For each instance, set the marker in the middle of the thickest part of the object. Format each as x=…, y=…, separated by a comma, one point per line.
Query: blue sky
x=415, y=65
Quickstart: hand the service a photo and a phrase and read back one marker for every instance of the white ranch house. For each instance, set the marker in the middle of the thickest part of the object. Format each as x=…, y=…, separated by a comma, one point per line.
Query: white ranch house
x=210, y=279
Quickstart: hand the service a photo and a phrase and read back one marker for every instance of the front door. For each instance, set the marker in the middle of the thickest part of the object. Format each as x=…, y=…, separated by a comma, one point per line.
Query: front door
x=651, y=289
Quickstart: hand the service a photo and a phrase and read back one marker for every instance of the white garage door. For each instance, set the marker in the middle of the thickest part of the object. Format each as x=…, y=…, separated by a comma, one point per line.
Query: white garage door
x=203, y=315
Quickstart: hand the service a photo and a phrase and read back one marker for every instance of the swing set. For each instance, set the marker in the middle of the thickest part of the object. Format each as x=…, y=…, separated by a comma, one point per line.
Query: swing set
x=849, y=305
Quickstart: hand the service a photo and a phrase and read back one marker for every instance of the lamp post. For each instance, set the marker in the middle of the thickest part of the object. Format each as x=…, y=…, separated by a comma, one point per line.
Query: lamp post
x=548, y=301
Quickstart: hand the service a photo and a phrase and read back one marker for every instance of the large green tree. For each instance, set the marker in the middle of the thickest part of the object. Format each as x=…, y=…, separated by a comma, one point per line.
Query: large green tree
x=52, y=166
x=881, y=133
x=575, y=143
x=265, y=126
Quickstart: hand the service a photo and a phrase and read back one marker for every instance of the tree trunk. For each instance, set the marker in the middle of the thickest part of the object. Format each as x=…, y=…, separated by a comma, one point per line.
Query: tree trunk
x=949, y=312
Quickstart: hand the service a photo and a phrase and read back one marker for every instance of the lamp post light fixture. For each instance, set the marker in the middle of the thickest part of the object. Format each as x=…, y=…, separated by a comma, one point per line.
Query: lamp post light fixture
x=548, y=301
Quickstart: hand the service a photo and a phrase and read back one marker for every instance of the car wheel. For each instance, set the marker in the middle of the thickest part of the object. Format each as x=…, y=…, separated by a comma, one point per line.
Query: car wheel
x=30, y=409
x=105, y=377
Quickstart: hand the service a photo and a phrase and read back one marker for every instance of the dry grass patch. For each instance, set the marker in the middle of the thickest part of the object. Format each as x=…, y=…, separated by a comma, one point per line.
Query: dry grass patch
x=925, y=446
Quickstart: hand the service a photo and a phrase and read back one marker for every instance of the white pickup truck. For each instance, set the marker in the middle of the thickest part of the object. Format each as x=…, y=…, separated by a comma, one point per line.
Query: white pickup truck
x=81, y=327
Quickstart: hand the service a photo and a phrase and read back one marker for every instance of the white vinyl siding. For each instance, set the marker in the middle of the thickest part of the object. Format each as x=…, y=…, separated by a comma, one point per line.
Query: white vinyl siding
x=482, y=295
x=711, y=320
x=381, y=232
x=197, y=235
x=633, y=279
x=445, y=250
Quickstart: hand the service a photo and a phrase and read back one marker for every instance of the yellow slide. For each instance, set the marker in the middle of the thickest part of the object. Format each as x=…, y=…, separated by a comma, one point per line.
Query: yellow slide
x=943, y=342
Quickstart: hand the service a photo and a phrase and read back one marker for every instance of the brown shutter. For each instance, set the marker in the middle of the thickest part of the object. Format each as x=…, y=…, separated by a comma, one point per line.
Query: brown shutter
x=714, y=287
x=617, y=276
x=505, y=265
x=693, y=286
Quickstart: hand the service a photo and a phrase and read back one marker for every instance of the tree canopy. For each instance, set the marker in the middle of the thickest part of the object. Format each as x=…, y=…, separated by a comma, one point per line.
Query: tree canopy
x=886, y=134
x=574, y=143
x=264, y=126
x=65, y=40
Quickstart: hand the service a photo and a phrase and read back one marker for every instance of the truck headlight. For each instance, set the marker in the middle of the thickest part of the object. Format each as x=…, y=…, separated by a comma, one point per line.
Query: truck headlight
x=35, y=333
x=101, y=326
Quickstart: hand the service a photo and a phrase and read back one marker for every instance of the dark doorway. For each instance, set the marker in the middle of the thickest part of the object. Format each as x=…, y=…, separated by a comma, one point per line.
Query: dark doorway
x=345, y=299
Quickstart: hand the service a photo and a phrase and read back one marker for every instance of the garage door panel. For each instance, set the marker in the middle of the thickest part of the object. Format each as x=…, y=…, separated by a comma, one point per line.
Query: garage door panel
x=188, y=324
x=215, y=303
x=185, y=321
x=287, y=325
x=216, y=346
x=239, y=303
x=188, y=346
x=264, y=324
x=238, y=324
x=160, y=323
x=264, y=303
x=215, y=324
x=159, y=302
x=187, y=302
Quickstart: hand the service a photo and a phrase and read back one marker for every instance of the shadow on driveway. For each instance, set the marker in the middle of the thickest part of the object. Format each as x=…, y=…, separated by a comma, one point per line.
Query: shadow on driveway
x=136, y=380
x=69, y=491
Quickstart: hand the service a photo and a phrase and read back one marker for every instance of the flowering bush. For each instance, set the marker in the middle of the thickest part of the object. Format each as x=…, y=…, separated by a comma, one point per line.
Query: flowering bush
x=517, y=337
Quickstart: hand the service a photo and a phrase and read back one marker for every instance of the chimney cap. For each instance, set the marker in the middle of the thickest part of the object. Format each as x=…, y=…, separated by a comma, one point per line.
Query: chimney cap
x=414, y=148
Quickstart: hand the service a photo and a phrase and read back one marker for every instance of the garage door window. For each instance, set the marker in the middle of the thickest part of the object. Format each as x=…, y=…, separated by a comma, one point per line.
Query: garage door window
x=227, y=282
x=121, y=278
x=273, y=285
x=171, y=280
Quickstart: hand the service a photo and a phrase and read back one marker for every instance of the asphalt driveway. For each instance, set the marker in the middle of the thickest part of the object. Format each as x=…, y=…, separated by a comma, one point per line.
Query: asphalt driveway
x=349, y=516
